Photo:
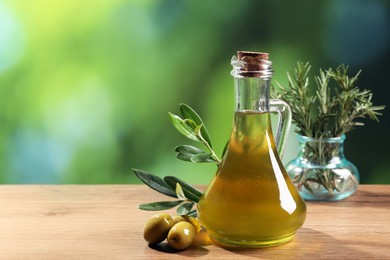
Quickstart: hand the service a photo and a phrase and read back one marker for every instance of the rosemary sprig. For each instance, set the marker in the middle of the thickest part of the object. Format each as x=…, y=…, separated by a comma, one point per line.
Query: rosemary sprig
x=298, y=97
x=331, y=110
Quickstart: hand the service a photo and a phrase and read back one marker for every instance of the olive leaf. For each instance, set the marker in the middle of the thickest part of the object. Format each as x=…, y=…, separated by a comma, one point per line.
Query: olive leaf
x=185, y=152
x=202, y=158
x=155, y=182
x=193, y=128
x=190, y=192
x=190, y=123
x=173, y=187
x=192, y=213
x=180, y=192
x=160, y=205
x=184, y=208
x=189, y=113
x=192, y=154
x=185, y=127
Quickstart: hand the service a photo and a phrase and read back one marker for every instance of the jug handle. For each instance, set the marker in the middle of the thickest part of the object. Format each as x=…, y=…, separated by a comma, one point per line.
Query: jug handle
x=284, y=123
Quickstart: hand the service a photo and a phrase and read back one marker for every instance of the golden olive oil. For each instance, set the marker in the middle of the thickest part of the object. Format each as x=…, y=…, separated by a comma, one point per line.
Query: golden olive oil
x=251, y=201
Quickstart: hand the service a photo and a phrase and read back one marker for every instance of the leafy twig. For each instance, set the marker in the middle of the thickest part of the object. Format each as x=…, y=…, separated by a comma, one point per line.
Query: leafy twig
x=192, y=127
x=329, y=111
x=333, y=109
x=171, y=186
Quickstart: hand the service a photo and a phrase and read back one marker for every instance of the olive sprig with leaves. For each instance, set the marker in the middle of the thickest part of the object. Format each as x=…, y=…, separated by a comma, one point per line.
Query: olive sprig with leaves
x=173, y=187
x=191, y=126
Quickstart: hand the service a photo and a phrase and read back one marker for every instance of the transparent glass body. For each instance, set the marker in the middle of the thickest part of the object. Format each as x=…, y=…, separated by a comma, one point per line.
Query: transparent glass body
x=251, y=201
x=321, y=172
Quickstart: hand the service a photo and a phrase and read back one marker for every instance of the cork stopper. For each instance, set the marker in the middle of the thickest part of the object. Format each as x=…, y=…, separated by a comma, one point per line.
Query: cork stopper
x=242, y=55
x=253, y=64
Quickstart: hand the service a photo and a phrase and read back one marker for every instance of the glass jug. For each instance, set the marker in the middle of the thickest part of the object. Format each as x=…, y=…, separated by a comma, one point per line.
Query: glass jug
x=251, y=201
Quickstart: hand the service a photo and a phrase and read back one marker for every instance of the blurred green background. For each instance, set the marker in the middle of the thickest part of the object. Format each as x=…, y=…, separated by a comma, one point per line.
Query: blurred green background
x=85, y=86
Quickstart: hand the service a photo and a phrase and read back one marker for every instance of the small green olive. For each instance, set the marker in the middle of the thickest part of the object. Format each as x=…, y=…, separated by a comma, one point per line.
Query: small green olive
x=193, y=221
x=181, y=235
x=177, y=218
x=157, y=228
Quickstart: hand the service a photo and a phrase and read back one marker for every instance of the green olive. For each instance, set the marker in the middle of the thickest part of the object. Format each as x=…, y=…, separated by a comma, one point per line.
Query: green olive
x=181, y=235
x=157, y=228
x=193, y=221
x=178, y=218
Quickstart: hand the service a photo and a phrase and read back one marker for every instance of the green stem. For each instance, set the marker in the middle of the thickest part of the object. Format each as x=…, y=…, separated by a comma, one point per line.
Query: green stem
x=213, y=154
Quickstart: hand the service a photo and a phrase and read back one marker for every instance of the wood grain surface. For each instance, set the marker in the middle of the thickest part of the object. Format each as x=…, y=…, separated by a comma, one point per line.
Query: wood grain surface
x=103, y=222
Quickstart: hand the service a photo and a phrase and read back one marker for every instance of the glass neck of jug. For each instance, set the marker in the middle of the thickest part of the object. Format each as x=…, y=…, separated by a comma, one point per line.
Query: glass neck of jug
x=252, y=75
x=251, y=94
x=252, y=72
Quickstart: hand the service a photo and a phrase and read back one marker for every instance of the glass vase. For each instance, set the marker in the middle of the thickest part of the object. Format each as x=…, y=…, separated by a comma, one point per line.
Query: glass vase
x=321, y=172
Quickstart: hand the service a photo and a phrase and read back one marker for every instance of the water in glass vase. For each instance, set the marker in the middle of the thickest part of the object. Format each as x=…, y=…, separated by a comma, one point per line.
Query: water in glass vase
x=251, y=201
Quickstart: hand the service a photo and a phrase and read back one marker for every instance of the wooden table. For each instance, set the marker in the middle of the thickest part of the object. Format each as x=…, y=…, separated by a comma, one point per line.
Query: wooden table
x=103, y=222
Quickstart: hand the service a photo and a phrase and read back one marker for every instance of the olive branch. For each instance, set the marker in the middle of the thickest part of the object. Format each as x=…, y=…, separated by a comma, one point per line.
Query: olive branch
x=191, y=126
